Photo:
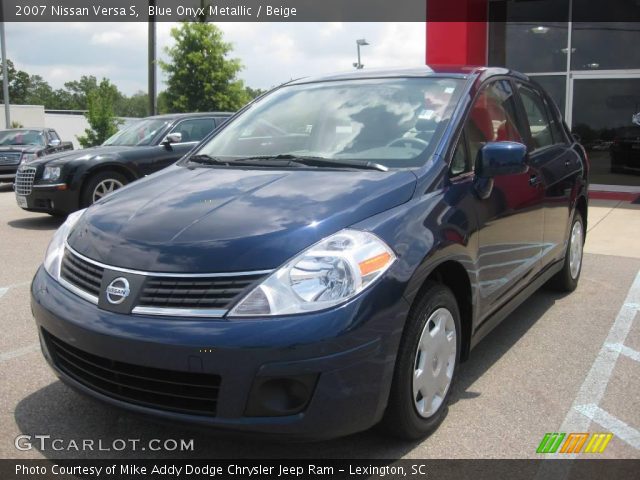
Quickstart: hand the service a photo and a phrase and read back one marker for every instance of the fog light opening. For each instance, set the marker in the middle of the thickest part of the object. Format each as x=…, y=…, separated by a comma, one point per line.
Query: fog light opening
x=279, y=396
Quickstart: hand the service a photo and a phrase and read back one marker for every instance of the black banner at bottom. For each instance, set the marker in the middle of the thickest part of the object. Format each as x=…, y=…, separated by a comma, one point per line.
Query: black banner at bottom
x=542, y=469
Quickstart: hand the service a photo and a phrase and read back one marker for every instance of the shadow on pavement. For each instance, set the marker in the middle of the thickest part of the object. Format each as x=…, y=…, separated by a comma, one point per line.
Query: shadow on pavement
x=44, y=222
x=500, y=340
x=59, y=411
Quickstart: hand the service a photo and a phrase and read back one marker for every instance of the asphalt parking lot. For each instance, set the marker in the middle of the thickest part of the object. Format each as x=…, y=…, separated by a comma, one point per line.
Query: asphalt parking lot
x=560, y=363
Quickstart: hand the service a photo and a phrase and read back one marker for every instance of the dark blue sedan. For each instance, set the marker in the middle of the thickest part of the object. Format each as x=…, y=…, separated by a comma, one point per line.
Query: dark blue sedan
x=324, y=261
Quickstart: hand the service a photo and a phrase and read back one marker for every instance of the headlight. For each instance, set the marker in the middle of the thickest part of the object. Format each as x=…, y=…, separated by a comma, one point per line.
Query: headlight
x=55, y=251
x=326, y=274
x=28, y=157
x=51, y=173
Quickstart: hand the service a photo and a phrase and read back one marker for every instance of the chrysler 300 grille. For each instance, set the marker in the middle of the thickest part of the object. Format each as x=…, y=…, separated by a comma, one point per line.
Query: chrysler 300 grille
x=82, y=274
x=195, y=292
x=24, y=180
x=184, y=392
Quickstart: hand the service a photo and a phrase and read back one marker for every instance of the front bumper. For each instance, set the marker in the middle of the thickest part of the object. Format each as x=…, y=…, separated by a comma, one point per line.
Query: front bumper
x=349, y=351
x=56, y=198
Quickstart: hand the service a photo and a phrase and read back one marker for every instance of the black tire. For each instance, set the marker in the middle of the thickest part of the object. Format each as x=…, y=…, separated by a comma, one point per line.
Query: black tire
x=564, y=281
x=401, y=417
x=86, y=199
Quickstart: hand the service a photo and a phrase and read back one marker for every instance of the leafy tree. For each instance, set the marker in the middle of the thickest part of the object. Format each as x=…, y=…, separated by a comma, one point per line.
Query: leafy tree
x=254, y=92
x=18, y=84
x=101, y=116
x=134, y=106
x=200, y=76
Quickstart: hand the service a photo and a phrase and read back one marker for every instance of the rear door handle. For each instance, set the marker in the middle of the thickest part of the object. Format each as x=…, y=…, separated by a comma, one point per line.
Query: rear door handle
x=533, y=180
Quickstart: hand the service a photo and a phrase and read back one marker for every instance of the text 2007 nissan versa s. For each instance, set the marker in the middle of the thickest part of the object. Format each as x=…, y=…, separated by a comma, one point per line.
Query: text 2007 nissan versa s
x=325, y=260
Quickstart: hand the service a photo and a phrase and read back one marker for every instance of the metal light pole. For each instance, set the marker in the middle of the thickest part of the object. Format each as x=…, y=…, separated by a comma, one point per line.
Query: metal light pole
x=5, y=73
x=360, y=42
x=152, y=62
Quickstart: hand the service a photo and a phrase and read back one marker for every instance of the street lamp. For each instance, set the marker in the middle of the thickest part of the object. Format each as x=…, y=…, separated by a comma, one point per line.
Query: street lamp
x=360, y=42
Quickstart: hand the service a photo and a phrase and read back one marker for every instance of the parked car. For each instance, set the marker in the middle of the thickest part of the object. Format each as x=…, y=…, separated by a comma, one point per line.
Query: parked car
x=60, y=184
x=625, y=150
x=25, y=145
x=326, y=260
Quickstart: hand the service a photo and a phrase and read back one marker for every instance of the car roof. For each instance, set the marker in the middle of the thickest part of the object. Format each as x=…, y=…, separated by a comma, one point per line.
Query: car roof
x=449, y=71
x=176, y=116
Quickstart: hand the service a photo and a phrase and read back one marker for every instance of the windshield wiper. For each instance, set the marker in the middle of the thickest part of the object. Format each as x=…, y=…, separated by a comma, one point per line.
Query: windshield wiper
x=321, y=161
x=203, y=158
x=206, y=159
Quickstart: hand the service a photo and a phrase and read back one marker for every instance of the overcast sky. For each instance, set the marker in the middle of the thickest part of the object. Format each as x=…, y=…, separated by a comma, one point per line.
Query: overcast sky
x=271, y=52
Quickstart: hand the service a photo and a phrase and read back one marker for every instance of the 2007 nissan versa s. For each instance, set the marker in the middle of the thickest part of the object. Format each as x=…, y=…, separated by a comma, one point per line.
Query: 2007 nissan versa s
x=325, y=260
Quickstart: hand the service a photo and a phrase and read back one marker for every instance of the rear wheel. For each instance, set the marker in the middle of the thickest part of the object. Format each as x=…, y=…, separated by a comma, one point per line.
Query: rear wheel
x=101, y=185
x=566, y=280
x=426, y=365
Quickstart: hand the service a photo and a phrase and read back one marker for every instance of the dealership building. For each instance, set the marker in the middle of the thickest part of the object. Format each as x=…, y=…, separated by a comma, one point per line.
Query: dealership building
x=578, y=50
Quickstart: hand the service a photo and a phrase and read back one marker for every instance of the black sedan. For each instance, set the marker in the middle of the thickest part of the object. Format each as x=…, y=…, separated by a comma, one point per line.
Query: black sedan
x=62, y=183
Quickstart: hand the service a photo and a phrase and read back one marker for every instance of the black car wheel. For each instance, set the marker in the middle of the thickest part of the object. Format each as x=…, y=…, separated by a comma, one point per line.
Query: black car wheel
x=426, y=365
x=566, y=280
x=101, y=185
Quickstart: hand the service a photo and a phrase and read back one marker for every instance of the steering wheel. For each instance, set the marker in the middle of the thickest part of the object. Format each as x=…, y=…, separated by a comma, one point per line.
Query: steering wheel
x=417, y=142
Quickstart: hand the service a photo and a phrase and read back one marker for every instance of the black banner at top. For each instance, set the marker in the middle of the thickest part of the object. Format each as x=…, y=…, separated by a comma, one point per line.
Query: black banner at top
x=321, y=10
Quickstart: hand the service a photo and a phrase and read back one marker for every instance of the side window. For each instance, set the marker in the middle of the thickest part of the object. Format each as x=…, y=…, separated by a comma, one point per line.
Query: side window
x=53, y=135
x=536, y=112
x=492, y=118
x=195, y=129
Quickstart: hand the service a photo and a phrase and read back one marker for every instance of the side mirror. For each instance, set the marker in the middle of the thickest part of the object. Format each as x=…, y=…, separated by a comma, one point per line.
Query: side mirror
x=54, y=143
x=501, y=158
x=175, y=137
x=495, y=159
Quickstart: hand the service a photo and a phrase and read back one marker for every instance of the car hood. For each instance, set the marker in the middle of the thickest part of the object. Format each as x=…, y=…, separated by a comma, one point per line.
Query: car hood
x=20, y=148
x=230, y=219
x=61, y=158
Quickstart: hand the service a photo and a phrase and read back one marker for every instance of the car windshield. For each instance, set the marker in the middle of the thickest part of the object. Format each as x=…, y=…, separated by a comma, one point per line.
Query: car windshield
x=139, y=133
x=393, y=122
x=22, y=137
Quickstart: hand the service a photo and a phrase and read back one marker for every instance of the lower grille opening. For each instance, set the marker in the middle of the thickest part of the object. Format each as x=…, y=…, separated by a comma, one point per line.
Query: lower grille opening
x=183, y=392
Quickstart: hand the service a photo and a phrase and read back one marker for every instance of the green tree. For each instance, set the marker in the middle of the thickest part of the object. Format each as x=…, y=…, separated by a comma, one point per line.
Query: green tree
x=134, y=106
x=18, y=84
x=200, y=75
x=254, y=92
x=101, y=116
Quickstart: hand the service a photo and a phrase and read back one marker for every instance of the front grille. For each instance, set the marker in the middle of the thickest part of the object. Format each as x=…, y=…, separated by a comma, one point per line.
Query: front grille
x=184, y=392
x=24, y=180
x=10, y=158
x=195, y=292
x=82, y=274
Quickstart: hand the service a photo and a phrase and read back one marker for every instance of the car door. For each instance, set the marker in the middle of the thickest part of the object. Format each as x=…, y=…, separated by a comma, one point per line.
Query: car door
x=559, y=165
x=192, y=131
x=510, y=219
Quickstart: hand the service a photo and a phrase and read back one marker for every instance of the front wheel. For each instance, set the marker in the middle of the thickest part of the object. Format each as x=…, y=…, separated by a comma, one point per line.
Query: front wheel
x=426, y=365
x=100, y=185
x=566, y=280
